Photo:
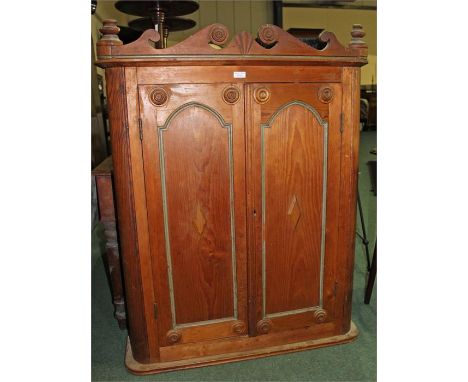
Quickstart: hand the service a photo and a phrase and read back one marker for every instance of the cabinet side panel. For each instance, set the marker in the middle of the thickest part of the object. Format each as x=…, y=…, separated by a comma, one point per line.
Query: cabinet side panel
x=348, y=193
x=115, y=79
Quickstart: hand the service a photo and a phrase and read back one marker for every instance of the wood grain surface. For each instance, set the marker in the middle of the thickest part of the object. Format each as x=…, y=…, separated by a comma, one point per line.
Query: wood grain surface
x=198, y=203
x=138, y=321
x=286, y=266
x=194, y=165
x=236, y=205
x=293, y=162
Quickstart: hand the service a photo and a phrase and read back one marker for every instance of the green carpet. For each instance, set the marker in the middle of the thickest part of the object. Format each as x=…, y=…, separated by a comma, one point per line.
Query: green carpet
x=351, y=362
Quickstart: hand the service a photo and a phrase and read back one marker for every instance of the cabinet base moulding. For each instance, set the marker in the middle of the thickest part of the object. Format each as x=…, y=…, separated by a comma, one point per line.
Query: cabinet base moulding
x=138, y=368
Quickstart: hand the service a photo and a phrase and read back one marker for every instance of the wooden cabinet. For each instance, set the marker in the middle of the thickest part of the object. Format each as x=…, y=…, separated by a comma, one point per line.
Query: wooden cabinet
x=235, y=178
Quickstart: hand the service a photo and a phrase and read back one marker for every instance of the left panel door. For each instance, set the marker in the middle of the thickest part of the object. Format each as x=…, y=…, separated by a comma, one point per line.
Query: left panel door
x=194, y=163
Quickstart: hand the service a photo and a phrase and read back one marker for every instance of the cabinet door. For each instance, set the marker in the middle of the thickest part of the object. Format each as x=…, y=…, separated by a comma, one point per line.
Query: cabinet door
x=194, y=159
x=294, y=131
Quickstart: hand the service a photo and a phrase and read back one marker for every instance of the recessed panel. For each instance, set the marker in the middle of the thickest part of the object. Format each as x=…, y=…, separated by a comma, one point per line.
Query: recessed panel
x=196, y=170
x=292, y=188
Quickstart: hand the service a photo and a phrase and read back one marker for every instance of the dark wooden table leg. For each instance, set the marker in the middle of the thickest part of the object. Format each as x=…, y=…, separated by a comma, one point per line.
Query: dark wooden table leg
x=115, y=273
x=371, y=279
x=107, y=216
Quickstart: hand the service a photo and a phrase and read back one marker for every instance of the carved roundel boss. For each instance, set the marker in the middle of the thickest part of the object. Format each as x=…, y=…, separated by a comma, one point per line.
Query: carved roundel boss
x=320, y=316
x=158, y=96
x=261, y=95
x=268, y=35
x=264, y=326
x=238, y=327
x=218, y=34
x=173, y=336
x=325, y=94
x=231, y=94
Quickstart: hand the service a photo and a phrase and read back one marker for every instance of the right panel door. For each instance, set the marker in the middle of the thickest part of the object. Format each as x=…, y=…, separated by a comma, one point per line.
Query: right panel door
x=294, y=161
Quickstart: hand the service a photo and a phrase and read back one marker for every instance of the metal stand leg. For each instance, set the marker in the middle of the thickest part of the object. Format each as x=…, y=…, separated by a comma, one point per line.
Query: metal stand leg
x=363, y=237
x=372, y=274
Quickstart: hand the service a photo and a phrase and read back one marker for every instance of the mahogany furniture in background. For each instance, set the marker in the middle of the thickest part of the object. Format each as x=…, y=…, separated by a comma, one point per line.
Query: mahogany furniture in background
x=369, y=92
x=235, y=176
x=105, y=200
x=309, y=36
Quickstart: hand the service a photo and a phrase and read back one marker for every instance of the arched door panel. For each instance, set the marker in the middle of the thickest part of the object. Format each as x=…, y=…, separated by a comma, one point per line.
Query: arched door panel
x=290, y=172
x=196, y=209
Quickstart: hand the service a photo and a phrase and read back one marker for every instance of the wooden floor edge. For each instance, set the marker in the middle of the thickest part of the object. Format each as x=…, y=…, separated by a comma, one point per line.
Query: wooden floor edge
x=159, y=367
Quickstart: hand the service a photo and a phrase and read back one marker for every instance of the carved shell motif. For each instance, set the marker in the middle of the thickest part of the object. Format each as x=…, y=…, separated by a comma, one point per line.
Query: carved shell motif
x=320, y=315
x=244, y=41
x=263, y=326
x=325, y=94
x=231, y=95
x=218, y=34
x=173, y=336
x=158, y=97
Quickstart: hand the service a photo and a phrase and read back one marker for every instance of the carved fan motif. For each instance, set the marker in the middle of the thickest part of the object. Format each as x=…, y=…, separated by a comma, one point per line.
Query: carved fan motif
x=244, y=41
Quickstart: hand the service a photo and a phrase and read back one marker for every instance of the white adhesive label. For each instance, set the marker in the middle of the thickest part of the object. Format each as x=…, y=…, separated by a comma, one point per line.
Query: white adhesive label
x=240, y=74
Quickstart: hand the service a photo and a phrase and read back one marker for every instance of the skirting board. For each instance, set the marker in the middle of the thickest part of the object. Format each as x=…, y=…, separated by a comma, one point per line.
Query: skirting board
x=160, y=367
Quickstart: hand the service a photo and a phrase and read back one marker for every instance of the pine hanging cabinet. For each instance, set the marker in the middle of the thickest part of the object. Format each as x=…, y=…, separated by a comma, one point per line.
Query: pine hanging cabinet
x=235, y=179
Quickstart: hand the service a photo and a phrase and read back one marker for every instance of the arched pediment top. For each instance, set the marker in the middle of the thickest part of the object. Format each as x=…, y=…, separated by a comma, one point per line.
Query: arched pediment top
x=213, y=43
x=199, y=105
x=303, y=104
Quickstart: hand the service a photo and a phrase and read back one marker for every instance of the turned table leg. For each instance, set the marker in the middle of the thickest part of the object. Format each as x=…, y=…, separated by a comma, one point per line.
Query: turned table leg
x=107, y=216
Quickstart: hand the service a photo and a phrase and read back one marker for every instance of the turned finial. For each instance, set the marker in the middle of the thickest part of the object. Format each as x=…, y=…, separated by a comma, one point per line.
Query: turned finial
x=109, y=32
x=109, y=37
x=357, y=34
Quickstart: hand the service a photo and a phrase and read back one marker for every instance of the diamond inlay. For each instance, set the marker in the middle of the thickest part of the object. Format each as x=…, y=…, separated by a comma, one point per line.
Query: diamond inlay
x=199, y=221
x=294, y=211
